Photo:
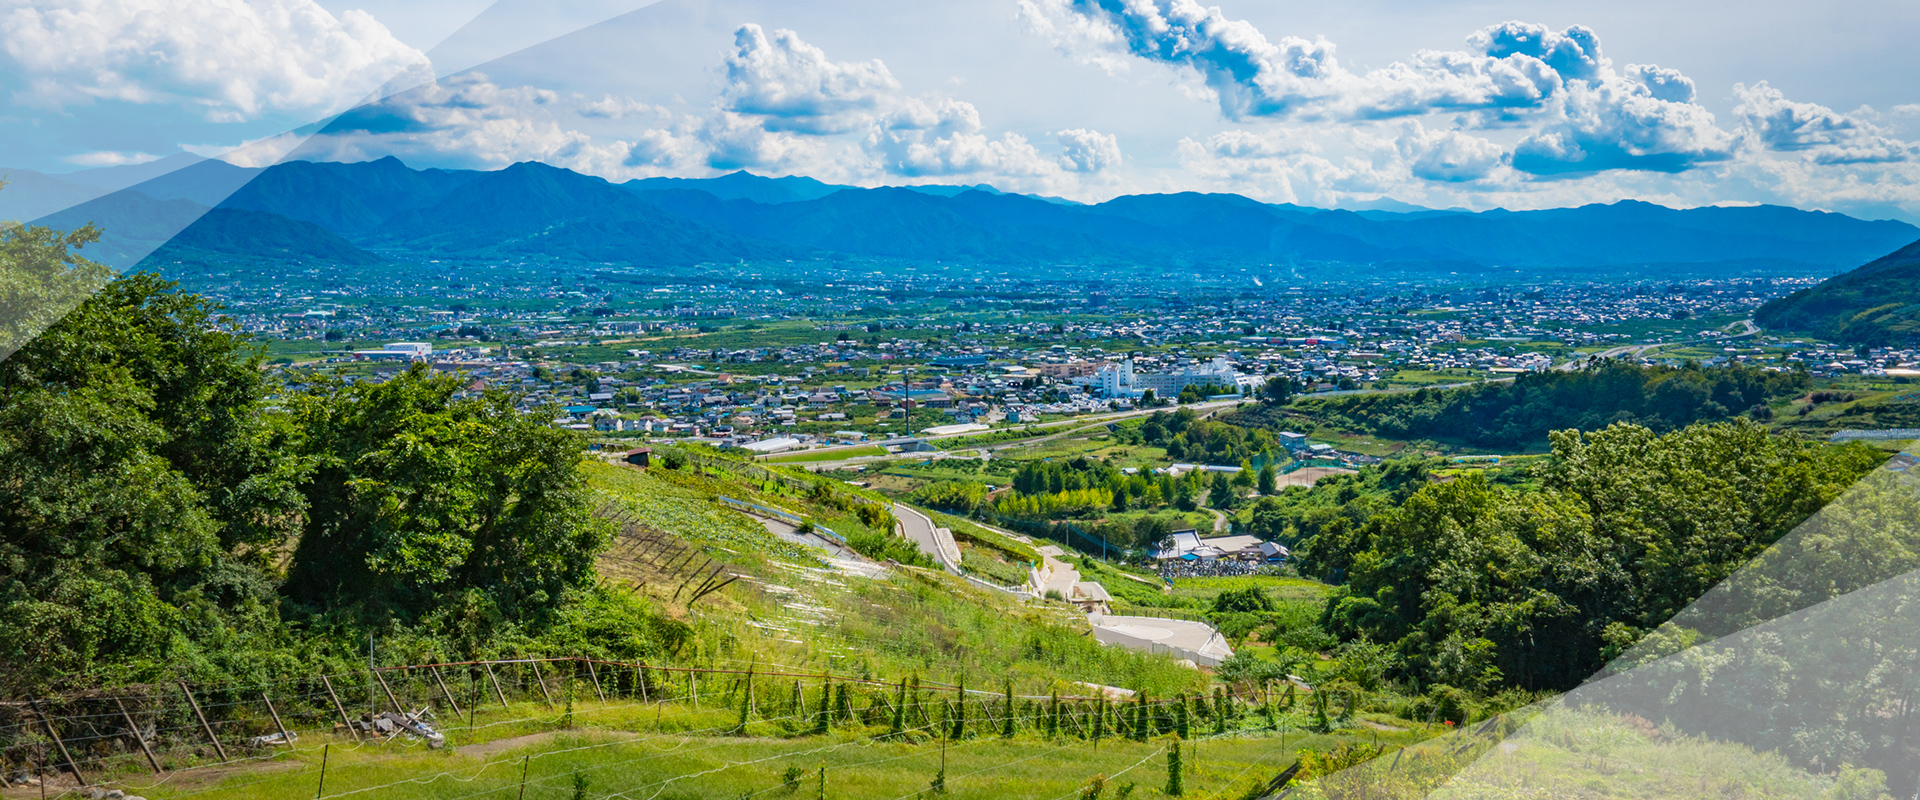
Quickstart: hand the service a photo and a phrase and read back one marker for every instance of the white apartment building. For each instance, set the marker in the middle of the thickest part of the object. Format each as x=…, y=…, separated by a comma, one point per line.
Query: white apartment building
x=1120, y=380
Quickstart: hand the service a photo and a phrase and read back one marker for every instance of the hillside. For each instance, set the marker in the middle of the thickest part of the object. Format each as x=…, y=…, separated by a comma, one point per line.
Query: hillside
x=227, y=233
x=1875, y=304
x=533, y=210
x=138, y=229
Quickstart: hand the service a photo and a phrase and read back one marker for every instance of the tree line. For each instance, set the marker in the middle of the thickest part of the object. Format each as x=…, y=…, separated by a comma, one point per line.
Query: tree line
x=1481, y=586
x=1521, y=412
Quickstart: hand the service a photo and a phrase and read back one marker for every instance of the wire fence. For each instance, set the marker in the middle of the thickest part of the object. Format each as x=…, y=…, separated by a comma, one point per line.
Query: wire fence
x=170, y=728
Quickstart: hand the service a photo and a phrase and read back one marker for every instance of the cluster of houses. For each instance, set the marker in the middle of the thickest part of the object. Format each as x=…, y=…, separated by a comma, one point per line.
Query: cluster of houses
x=1188, y=546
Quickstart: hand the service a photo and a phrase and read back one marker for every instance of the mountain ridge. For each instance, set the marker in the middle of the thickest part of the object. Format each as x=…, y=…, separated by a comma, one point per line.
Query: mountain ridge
x=536, y=210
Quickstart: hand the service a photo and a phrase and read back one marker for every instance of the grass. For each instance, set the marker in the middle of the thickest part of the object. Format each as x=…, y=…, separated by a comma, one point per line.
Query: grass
x=632, y=761
x=1203, y=590
x=789, y=611
x=834, y=455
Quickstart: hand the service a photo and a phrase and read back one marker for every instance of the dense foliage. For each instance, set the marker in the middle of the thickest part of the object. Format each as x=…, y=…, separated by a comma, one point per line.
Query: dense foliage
x=163, y=513
x=1187, y=437
x=428, y=499
x=1479, y=585
x=1521, y=412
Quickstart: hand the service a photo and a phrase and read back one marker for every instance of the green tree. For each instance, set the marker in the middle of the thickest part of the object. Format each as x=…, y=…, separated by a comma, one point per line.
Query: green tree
x=1278, y=390
x=420, y=499
x=141, y=493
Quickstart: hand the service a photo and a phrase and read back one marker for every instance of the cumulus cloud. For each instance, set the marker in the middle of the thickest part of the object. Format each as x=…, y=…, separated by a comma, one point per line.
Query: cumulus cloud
x=1513, y=65
x=920, y=139
x=1582, y=115
x=1620, y=125
x=1083, y=150
x=1450, y=156
x=1663, y=84
x=784, y=95
x=470, y=118
x=229, y=59
x=1824, y=135
x=785, y=107
x=792, y=85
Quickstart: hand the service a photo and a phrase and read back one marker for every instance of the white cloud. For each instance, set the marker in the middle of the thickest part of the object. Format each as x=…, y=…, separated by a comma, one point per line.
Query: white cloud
x=1619, y=124
x=786, y=102
x=1584, y=116
x=919, y=139
x=228, y=59
x=1825, y=135
x=470, y=119
x=109, y=158
x=1084, y=150
x=1450, y=156
x=793, y=86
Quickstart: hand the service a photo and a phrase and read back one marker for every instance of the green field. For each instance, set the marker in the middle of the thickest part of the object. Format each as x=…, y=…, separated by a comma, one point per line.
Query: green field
x=617, y=749
x=831, y=455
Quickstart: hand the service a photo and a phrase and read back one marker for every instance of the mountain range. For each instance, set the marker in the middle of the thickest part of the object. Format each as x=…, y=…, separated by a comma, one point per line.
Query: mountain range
x=365, y=211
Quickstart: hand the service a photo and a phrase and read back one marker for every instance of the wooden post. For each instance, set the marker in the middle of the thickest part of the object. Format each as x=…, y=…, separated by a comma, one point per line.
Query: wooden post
x=284, y=735
x=595, y=675
x=642, y=679
x=389, y=690
x=496, y=686
x=541, y=681
x=47, y=720
x=137, y=738
x=340, y=708
x=443, y=690
x=693, y=688
x=217, y=747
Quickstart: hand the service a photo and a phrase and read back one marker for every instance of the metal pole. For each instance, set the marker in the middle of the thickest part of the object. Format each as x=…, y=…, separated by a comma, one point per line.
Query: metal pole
x=523, y=776
x=217, y=747
x=324, y=752
x=141, y=740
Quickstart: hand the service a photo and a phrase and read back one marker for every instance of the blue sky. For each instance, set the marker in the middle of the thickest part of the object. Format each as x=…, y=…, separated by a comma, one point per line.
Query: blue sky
x=1471, y=104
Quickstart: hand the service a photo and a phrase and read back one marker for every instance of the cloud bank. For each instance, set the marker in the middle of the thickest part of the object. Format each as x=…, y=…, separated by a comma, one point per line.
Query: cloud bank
x=229, y=60
x=784, y=106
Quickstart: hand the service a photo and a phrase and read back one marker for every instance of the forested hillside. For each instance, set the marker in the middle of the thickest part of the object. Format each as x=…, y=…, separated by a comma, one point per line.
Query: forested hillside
x=1872, y=305
x=1521, y=412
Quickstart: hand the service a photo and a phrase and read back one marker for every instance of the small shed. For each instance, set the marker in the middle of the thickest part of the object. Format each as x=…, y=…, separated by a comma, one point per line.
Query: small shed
x=639, y=456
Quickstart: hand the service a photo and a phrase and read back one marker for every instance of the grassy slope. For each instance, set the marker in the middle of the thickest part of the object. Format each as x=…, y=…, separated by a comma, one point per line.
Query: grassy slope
x=619, y=748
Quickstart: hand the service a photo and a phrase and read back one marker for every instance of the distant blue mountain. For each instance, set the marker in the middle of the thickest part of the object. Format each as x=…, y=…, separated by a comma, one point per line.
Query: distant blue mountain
x=537, y=211
x=742, y=185
x=138, y=231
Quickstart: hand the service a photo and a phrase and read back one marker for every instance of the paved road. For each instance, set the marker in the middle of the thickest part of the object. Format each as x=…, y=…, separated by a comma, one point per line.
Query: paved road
x=932, y=540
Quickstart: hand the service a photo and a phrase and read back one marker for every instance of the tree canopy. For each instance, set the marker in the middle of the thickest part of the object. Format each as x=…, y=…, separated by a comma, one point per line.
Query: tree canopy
x=165, y=505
